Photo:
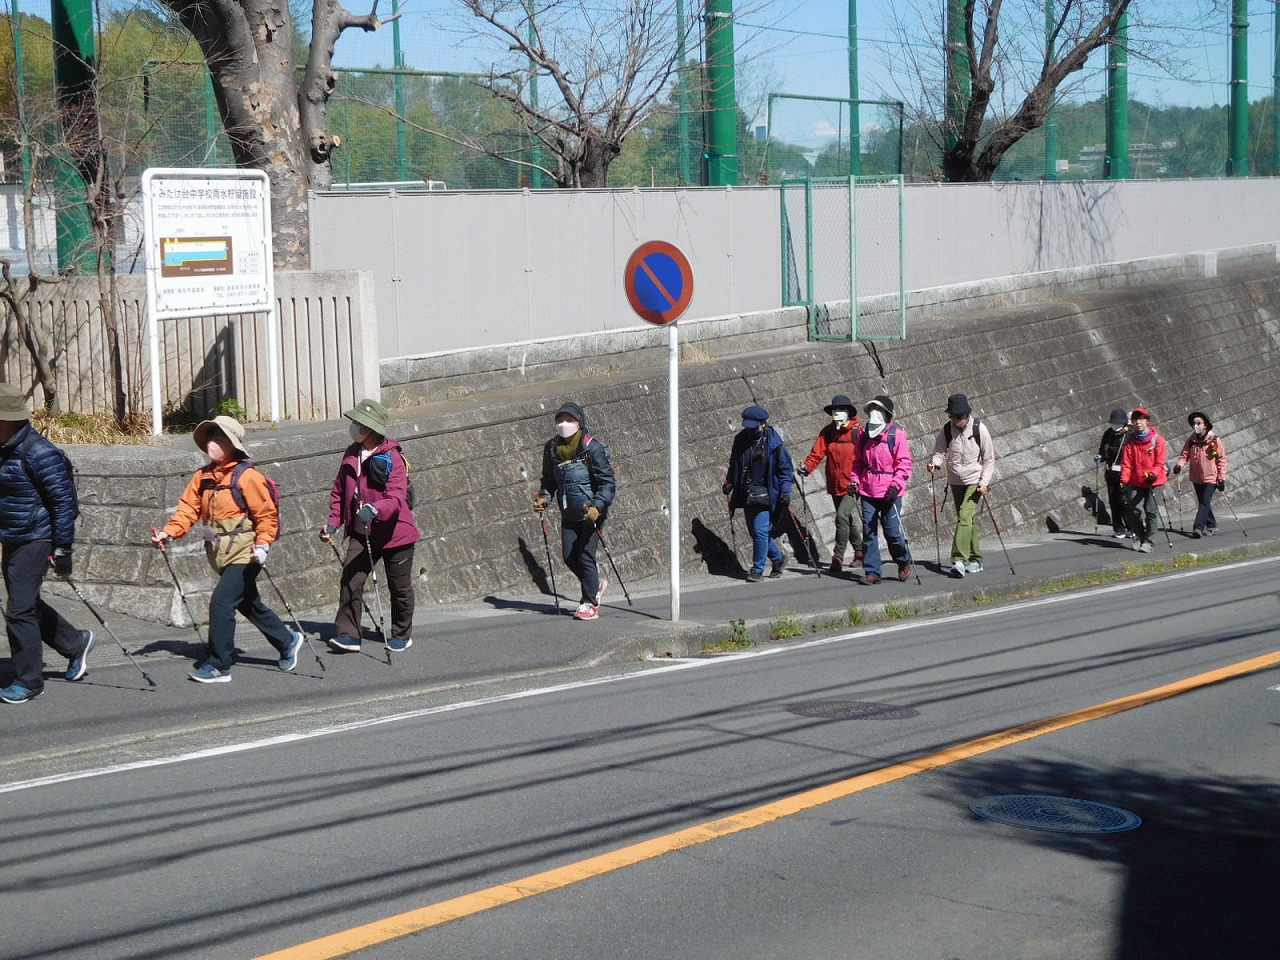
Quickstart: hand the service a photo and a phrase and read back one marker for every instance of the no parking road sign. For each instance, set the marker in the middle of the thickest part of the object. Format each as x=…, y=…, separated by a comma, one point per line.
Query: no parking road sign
x=659, y=282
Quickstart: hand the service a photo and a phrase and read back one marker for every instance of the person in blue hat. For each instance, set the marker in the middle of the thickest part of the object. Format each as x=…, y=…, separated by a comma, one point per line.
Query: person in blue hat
x=759, y=483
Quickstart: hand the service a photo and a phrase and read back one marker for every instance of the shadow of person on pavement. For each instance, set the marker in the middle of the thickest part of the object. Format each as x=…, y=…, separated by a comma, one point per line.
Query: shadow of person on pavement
x=715, y=553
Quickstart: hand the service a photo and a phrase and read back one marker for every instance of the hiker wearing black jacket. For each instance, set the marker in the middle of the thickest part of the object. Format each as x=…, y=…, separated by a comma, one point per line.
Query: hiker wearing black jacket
x=37, y=530
x=576, y=472
x=1108, y=457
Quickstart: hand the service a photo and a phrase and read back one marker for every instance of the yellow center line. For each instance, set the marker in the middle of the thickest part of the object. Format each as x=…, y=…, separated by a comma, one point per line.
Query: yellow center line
x=412, y=921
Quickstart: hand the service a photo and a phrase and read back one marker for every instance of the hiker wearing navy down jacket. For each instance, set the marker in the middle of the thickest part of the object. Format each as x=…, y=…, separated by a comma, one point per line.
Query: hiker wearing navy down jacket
x=369, y=503
x=37, y=530
x=577, y=474
x=759, y=482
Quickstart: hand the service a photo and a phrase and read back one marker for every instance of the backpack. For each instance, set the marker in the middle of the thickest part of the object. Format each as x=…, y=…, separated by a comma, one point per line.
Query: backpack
x=24, y=450
x=946, y=430
x=238, y=495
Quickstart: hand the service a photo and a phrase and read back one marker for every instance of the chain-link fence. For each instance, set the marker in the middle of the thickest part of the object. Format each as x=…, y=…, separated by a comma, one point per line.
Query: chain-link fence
x=842, y=245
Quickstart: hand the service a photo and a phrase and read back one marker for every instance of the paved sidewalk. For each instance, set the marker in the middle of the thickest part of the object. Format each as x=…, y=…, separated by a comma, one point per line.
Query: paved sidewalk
x=459, y=649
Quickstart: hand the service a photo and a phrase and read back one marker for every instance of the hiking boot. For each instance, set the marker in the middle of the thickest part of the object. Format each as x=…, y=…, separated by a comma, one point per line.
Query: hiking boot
x=396, y=644
x=958, y=569
x=775, y=571
x=79, y=665
x=837, y=566
x=586, y=611
x=17, y=693
x=755, y=576
x=858, y=554
x=904, y=571
x=600, y=590
x=973, y=566
x=208, y=673
x=289, y=659
x=345, y=643
x=871, y=579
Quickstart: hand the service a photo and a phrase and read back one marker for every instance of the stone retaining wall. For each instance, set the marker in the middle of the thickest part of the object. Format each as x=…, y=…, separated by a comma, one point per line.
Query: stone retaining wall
x=1043, y=377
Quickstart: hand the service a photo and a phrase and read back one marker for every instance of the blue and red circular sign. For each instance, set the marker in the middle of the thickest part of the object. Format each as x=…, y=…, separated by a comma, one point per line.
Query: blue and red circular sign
x=659, y=282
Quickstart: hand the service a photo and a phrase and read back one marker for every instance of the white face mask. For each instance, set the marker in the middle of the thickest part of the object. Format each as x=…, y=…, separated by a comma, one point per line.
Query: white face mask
x=1198, y=428
x=566, y=429
x=875, y=423
x=356, y=431
x=215, y=451
x=839, y=417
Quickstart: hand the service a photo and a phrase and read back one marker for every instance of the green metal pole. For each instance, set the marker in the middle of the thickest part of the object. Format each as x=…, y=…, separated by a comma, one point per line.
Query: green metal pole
x=19, y=92
x=212, y=123
x=1238, y=111
x=1050, y=120
x=397, y=54
x=682, y=95
x=74, y=68
x=1116, y=163
x=958, y=88
x=722, y=101
x=1275, y=90
x=535, y=155
x=855, y=124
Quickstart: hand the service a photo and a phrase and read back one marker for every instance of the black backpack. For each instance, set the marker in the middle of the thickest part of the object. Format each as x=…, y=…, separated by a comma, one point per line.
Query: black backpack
x=947, y=431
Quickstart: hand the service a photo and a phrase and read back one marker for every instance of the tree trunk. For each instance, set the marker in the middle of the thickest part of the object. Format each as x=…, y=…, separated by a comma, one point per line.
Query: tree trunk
x=248, y=45
x=592, y=166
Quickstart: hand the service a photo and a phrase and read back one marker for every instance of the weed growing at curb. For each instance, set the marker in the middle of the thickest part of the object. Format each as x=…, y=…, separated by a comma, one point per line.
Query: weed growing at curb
x=738, y=636
x=896, y=611
x=785, y=626
x=854, y=616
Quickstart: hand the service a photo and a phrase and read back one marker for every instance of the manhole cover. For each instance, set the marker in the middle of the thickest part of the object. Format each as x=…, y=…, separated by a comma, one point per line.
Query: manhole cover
x=851, y=710
x=1055, y=814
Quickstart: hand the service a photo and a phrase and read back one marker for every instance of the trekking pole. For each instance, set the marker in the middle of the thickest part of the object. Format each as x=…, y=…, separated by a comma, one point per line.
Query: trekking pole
x=551, y=568
x=105, y=626
x=806, y=540
x=812, y=528
x=1168, y=521
x=1097, y=500
x=377, y=596
x=991, y=514
x=178, y=586
x=293, y=616
x=1223, y=491
x=612, y=566
x=937, y=542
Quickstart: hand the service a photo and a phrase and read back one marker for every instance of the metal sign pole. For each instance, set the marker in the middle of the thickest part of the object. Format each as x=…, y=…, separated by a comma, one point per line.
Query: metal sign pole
x=673, y=479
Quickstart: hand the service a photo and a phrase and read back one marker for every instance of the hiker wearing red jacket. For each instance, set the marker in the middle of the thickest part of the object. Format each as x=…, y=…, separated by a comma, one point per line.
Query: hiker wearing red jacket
x=835, y=443
x=1143, y=475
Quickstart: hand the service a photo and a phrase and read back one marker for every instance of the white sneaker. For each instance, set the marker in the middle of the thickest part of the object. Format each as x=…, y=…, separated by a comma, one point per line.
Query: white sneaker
x=958, y=569
x=974, y=566
x=586, y=612
x=1121, y=534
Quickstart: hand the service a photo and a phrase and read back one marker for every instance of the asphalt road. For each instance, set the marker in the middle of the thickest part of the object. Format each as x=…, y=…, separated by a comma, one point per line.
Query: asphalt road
x=251, y=848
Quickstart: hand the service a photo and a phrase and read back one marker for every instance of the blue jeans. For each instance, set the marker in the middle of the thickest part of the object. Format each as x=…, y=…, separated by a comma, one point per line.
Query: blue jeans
x=31, y=621
x=760, y=522
x=874, y=514
x=1205, y=520
x=237, y=589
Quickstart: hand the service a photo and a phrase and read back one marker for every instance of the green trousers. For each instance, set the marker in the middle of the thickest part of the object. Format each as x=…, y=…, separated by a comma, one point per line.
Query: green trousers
x=964, y=545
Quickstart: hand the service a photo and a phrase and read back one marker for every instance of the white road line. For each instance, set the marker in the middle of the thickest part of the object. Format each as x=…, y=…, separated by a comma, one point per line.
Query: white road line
x=682, y=664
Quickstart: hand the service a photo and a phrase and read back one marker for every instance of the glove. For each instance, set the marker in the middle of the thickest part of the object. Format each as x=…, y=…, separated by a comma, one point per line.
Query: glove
x=592, y=513
x=1177, y=469
x=891, y=495
x=326, y=534
x=1097, y=458
x=539, y=504
x=931, y=467
x=1149, y=477
x=367, y=512
x=726, y=488
x=803, y=471
x=784, y=499
x=260, y=554
x=61, y=561
x=1221, y=484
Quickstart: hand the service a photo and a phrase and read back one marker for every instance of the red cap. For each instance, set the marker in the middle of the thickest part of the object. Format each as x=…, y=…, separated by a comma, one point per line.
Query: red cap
x=1139, y=412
